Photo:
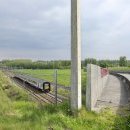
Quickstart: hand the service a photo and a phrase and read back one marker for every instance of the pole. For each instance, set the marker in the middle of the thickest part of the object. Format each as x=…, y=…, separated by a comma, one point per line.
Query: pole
x=56, y=87
x=75, y=56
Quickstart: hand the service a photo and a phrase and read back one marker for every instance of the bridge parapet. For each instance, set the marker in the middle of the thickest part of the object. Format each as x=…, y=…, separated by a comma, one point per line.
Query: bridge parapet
x=97, y=79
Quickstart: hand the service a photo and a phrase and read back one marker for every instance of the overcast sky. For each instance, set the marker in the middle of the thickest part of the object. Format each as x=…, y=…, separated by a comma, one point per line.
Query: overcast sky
x=40, y=29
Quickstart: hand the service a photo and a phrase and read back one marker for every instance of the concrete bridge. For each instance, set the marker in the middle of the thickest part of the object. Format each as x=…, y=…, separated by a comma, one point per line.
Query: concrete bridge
x=111, y=90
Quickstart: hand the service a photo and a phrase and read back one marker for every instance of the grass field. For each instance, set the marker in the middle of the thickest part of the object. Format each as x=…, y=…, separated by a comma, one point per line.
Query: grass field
x=120, y=68
x=63, y=75
x=18, y=112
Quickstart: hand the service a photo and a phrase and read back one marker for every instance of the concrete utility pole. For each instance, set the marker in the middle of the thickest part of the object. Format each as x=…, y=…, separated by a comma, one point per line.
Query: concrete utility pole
x=75, y=56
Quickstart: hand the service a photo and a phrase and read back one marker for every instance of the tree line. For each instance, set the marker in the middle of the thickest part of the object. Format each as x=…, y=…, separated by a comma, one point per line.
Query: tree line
x=62, y=64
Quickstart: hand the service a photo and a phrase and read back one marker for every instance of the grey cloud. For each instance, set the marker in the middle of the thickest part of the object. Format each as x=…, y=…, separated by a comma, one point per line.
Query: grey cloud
x=44, y=26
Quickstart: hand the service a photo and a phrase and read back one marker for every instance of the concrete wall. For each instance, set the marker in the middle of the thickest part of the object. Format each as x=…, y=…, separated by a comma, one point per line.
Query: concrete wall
x=96, y=81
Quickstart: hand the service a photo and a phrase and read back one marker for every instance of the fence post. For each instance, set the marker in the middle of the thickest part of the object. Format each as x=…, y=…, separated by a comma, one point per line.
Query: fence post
x=55, y=87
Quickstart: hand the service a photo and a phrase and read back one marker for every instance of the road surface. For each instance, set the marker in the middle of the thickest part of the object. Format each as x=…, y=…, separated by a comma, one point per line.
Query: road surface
x=114, y=94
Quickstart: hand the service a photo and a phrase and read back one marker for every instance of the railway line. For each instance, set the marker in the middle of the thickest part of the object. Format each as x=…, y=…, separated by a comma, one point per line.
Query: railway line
x=37, y=94
x=41, y=80
x=35, y=88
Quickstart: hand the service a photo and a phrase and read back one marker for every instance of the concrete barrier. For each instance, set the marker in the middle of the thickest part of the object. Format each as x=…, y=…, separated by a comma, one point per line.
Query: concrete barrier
x=96, y=80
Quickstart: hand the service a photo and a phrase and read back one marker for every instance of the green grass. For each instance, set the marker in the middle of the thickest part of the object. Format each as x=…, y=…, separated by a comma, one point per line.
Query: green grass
x=119, y=68
x=63, y=75
x=18, y=112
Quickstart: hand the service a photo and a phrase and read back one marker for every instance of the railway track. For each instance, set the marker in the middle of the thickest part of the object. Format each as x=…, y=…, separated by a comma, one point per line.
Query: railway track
x=48, y=98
